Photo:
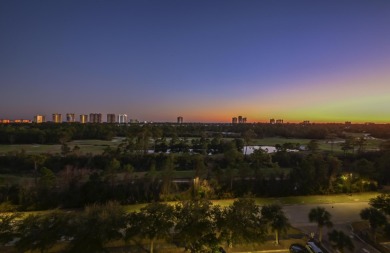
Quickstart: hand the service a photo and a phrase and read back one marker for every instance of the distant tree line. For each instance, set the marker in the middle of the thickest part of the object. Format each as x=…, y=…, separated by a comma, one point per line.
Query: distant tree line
x=50, y=133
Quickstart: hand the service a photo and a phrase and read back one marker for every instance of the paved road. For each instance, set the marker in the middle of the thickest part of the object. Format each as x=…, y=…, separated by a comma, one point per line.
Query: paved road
x=342, y=216
x=341, y=212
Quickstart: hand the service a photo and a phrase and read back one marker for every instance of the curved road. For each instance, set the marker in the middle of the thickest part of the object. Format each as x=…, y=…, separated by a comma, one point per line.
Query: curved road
x=342, y=216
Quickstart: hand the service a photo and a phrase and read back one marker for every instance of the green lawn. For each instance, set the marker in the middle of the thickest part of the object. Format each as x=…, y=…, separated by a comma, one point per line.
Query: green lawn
x=98, y=146
x=30, y=148
x=294, y=200
x=86, y=146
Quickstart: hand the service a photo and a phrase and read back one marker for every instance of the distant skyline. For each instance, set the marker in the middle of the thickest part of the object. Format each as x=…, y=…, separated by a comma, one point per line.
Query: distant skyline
x=204, y=60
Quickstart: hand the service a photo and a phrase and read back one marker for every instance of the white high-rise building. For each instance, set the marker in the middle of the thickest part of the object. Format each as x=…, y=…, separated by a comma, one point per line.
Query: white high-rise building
x=122, y=118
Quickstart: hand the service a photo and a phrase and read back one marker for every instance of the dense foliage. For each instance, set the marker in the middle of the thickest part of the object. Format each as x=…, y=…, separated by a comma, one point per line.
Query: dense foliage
x=194, y=225
x=207, y=165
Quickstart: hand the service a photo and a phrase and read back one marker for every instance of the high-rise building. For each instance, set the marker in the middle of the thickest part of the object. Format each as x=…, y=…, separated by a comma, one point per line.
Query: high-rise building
x=70, y=117
x=279, y=121
x=272, y=121
x=239, y=119
x=179, y=120
x=95, y=118
x=39, y=118
x=57, y=118
x=83, y=118
x=122, y=118
x=110, y=118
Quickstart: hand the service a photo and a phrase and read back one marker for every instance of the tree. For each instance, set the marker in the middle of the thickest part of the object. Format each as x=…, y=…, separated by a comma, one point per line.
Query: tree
x=47, y=182
x=313, y=146
x=38, y=161
x=7, y=227
x=349, y=144
x=96, y=226
x=334, y=168
x=322, y=218
x=331, y=137
x=65, y=149
x=260, y=159
x=382, y=203
x=275, y=219
x=156, y=221
x=241, y=222
x=196, y=227
x=340, y=241
x=361, y=143
x=166, y=175
x=41, y=232
x=375, y=219
x=248, y=136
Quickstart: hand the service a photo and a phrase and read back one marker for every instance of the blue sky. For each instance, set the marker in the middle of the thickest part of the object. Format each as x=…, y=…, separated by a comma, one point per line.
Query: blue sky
x=204, y=60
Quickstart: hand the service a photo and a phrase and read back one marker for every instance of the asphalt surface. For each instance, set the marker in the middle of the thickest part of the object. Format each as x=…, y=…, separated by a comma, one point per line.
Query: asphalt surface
x=343, y=214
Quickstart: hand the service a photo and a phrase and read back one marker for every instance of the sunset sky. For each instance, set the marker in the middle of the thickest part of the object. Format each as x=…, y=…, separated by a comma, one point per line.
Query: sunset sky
x=208, y=61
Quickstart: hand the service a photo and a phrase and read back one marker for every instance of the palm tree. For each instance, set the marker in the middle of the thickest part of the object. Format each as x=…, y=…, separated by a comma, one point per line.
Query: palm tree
x=340, y=241
x=321, y=217
x=275, y=218
x=375, y=218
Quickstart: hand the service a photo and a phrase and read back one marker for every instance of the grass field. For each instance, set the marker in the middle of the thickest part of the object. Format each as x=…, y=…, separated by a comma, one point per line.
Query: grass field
x=98, y=146
x=86, y=146
x=293, y=200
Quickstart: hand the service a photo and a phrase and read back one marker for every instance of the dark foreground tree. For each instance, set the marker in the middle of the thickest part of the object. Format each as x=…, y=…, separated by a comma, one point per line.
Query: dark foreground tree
x=196, y=228
x=381, y=202
x=340, y=241
x=41, y=232
x=375, y=219
x=275, y=219
x=155, y=221
x=322, y=218
x=96, y=226
x=240, y=223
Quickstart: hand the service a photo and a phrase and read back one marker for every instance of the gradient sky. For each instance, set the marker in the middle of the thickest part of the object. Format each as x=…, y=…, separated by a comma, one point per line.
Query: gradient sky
x=323, y=61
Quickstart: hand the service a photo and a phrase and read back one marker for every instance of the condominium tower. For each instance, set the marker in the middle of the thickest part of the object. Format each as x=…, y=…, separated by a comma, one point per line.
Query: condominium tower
x=39, y=118
x=110, y=118
x=83, y=118
x=70, y=117
x=95, y=118
x=122, y=118
x=57, y=118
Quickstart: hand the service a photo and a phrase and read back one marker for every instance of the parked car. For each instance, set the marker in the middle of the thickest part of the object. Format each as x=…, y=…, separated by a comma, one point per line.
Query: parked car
x=313, y=247
x=298, y=248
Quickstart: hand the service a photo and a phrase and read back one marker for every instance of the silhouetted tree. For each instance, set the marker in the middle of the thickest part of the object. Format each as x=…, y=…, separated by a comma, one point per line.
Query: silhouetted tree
x=322, y=218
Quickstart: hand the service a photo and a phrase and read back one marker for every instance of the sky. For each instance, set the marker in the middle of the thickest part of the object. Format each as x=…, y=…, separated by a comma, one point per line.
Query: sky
x=204, y=60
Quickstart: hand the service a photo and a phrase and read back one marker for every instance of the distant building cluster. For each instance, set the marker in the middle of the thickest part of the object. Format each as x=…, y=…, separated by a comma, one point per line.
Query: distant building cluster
x=276, y=121
x=111, y=118
x=180, y=120
x=17, y=121
x=83, y=118
x=239, y=120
